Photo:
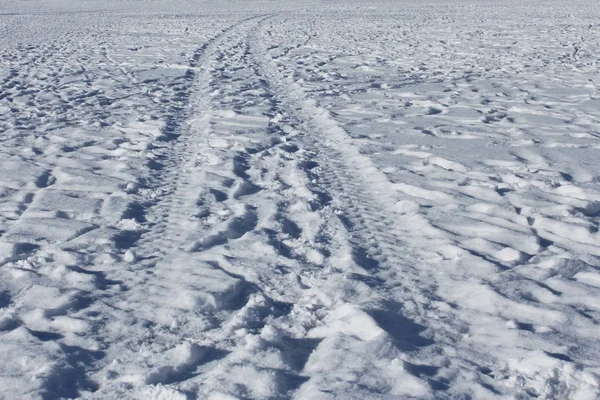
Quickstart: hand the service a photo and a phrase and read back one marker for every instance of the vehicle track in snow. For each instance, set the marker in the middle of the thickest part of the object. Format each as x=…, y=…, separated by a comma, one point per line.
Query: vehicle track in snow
x=106, y=287
x=251, y=166
x=400, y=291
x=222, y=181
x=249, y=169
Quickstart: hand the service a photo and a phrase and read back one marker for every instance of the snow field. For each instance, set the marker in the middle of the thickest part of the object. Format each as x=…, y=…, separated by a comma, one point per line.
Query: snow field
x=301, y=201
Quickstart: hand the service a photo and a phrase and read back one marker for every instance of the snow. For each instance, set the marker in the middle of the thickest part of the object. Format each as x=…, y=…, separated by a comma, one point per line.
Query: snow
x=310, y=200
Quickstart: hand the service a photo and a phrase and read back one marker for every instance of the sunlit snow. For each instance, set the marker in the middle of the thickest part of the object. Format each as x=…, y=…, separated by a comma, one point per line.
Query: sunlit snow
x=299, y=199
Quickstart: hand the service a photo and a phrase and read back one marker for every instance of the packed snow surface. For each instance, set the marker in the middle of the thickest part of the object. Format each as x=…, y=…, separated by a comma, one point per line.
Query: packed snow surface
x=308, y=200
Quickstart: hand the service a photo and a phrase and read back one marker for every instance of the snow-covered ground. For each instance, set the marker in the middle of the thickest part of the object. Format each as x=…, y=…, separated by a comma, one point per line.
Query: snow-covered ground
x=309, y=200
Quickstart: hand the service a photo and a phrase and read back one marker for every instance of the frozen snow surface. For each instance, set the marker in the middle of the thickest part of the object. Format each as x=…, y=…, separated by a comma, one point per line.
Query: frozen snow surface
x=295, y=199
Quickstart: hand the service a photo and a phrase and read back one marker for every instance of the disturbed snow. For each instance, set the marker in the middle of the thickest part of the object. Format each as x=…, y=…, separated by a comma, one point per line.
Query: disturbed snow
x=270, y=200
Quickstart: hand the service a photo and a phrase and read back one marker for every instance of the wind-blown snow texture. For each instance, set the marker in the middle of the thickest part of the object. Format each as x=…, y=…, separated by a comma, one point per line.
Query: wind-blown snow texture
x=265, y=200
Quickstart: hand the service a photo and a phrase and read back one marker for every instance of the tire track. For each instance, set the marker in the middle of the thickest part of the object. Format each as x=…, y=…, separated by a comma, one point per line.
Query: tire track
x=176, y=200
x=186, y=292
x=374, y=233
x=112, y=294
